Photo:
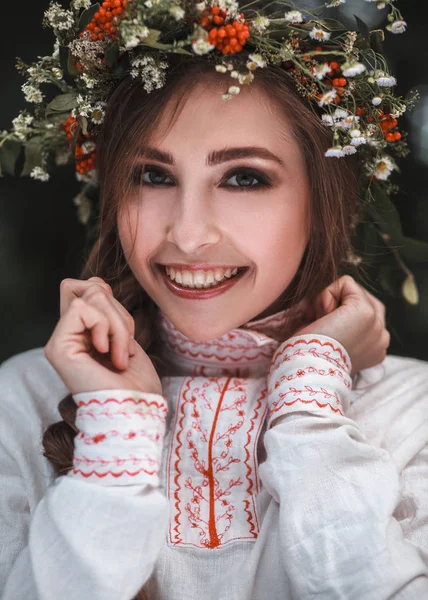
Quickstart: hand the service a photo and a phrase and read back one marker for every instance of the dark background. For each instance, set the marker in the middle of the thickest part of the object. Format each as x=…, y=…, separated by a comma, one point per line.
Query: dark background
x=42, y=242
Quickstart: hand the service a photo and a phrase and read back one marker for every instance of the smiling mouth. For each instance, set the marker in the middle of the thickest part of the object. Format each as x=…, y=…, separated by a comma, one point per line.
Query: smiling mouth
x=202, y=291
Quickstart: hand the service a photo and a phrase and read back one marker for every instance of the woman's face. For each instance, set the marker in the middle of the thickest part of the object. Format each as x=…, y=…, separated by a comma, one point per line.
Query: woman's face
x=198, y=204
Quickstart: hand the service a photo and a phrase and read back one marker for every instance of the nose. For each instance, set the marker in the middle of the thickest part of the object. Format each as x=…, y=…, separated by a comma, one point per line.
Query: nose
x=193, y=222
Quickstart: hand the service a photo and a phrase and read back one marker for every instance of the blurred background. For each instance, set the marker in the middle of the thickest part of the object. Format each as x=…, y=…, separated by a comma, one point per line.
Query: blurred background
x=42, y=241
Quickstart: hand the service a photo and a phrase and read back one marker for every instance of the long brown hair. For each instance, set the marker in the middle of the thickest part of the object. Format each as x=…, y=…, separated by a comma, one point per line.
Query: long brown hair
x=131, y=117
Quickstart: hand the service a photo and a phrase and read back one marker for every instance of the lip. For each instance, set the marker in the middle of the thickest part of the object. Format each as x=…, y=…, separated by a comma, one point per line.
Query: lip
x=200, y=294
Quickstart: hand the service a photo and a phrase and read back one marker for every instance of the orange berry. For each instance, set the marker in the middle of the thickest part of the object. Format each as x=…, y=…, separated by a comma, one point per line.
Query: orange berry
x=397, y=135
x=390, y=137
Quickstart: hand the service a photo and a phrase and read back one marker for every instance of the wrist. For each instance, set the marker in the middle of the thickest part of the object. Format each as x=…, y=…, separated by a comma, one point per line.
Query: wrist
x=309, y=373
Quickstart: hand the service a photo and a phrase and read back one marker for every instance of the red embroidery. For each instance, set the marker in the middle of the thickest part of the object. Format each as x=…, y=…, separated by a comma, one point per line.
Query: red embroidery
x=112, y=414
x=130, y=435
x=309, y=391
x=212, y=507
x=77, y=460
x=158, y=405
x=125, y=472
x=282, y=356
x=303, y=371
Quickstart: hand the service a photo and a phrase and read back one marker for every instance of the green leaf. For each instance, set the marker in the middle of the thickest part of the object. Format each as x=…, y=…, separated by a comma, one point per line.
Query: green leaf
x=385, y=214
x=62, y=103
x=376, y=38
x=33, y=155
x=362, y=27
x=112, y=54
x=87, y=15
x=333, y=25
x=9, y=154
x=414, y=250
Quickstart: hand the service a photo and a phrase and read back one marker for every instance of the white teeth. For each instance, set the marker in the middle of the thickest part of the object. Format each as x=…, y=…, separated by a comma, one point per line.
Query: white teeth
x=200, y=279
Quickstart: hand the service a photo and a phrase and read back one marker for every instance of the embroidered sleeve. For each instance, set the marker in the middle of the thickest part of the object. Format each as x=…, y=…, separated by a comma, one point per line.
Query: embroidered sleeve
x=336, y=493
x=98, y=541
x=120, y=437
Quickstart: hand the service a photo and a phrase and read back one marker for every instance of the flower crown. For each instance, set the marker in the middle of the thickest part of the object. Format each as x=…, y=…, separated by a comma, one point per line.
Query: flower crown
x=342, y=73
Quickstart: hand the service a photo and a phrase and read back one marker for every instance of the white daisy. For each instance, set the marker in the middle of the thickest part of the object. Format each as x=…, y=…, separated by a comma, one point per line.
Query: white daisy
x=320, y=71
x=376, y=101
x=328, y=97
x=358, y=141
x=257, y=59
x=383, y=167
x=260, y=23
x=319, y=34
x=327, y=120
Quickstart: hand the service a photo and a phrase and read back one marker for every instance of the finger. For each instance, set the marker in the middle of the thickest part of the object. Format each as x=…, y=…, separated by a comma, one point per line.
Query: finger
x=75, y=288
x=119, y=335
x=127, y=319
x=69, y=334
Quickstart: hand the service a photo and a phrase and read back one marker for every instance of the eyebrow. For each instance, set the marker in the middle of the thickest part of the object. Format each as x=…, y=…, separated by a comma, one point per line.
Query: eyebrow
x=218, y=156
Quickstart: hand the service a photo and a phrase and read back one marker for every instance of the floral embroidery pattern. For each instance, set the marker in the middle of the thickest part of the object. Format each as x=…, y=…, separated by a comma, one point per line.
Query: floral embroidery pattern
x=212, y=474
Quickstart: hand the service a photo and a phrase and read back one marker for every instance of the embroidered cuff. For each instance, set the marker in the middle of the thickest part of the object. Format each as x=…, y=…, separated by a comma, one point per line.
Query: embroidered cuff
x=309, y=373
x=120, y=437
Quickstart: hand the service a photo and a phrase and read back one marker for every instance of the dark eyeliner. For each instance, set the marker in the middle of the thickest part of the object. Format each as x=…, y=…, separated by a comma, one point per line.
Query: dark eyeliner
x=264, y=181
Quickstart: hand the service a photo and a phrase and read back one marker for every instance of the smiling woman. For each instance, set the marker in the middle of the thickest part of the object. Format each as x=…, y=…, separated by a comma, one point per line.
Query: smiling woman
x=225, y=427
x=189, y=188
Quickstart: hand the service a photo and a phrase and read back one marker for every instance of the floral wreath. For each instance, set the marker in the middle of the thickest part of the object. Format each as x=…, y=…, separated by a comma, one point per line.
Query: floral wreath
x=342, y=73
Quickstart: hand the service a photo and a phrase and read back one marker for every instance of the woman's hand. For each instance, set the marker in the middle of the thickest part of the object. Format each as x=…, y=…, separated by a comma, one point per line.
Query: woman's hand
x=349, y=314
x=93, y=346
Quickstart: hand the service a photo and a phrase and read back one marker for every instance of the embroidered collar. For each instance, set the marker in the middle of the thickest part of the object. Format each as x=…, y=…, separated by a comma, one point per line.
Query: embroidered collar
x=242, y=352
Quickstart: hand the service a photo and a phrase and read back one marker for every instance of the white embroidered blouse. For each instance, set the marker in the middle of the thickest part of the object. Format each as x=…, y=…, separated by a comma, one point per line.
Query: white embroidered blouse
x=262, y=472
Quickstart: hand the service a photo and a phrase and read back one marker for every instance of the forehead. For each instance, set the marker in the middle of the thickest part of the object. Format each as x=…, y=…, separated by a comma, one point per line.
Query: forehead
x=205, y=119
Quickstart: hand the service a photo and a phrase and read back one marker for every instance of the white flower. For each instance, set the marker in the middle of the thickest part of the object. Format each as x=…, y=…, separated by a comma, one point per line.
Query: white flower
x=245, y=78
x=334, y=3
x=339, y=113
x=57, y=73
x=383, y=167
x=220, y=69
x=336, y=151
x=320, y=71
x=357, y=141
x=151, y=72
x=32, y=93
x=89, y=81
x=354, y=133
x=376, y=101
x=352, y=69
x=234, y=90
x=83, y=106
x=348, y=122
x=230, y=6
x=226, y=96
x=177, y=12
x=58, y=18
x=98, y=113
x=293, y=16
x=398, y=111
x=349, y=149
x=40, y=174
x=81, y=4
x=327, y=120
x=319, y=34
x=21, y=125
x=385, y=80
x=37, y=74
x=257, y=60
x=260, y=23
x=201, y=46
x=234, y=74
x=133, y=33
x=398, y=26
x=88, y=146
x=201, y=6
x=327, y=97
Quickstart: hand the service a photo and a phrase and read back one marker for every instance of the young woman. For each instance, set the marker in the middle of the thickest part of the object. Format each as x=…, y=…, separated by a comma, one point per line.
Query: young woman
x=240, y=435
